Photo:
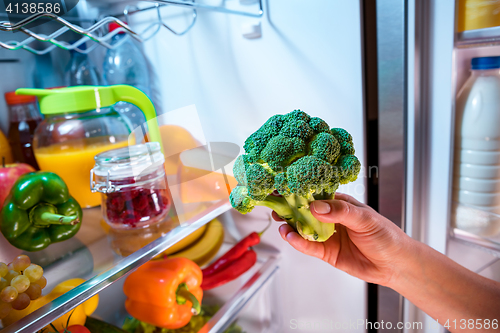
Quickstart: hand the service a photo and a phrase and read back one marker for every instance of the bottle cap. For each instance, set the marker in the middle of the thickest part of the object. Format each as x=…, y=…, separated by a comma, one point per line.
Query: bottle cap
x=12, y=99
x=483, y=63
x=113, y=26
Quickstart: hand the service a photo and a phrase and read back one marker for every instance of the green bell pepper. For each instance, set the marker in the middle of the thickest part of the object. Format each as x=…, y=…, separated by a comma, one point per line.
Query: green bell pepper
x=39, y=211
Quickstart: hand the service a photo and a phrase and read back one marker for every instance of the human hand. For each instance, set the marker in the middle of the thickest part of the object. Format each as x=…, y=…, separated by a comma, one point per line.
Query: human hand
x=365, y=244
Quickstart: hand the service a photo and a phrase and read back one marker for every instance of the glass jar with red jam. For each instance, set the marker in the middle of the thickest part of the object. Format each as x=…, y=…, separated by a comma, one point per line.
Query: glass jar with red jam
x=133, y=185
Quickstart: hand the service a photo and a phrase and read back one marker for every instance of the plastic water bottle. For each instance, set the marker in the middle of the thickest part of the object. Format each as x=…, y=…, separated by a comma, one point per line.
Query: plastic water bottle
x=477, y=153
x=126, y=64
x=45, y=74
x=81, y=70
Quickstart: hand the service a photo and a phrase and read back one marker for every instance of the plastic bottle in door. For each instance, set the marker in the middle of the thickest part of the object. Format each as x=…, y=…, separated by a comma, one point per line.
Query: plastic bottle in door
x=126, y=65
x=477, y=14
x=81, y=70
x=477, y=154
x=46, y=75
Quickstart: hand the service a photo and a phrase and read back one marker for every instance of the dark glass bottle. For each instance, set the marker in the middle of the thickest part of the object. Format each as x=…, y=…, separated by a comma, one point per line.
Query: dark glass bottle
x=24, y=118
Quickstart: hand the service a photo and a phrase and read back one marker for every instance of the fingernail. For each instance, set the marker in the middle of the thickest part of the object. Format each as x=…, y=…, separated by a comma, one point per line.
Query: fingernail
x=321, y=207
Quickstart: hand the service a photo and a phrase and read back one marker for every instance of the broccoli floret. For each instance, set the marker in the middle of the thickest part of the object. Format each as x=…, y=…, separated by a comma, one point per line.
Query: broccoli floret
x=240, y=200
x=348, y=168
x=310, y=175
x=341, y=135
x=258, y=140
x=325, y=146
x=300, y=158
x=281, y=151
x=297, y=115
x=281, y=184
x=297, y=129
x=239, y=171
x=243, y=203
x=260, y=182
x=319, y=125
x=345, y=141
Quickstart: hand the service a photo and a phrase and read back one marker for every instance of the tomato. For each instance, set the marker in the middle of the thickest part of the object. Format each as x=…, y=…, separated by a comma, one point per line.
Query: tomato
x=75, y=329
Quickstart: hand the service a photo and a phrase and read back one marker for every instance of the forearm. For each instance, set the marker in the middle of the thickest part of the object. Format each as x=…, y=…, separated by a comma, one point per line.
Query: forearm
x=444, y=289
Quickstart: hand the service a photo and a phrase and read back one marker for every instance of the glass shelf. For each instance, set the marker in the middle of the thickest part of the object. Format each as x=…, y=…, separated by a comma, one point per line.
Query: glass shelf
x=199, y=187
x=252, y=300
x=232, y=307
x=90, y=255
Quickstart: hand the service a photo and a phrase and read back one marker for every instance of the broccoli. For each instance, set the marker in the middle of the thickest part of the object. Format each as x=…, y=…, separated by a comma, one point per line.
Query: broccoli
x=289, y=162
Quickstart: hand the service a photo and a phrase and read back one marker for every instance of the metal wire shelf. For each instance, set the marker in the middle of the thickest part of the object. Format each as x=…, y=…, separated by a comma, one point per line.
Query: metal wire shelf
x=94, y=33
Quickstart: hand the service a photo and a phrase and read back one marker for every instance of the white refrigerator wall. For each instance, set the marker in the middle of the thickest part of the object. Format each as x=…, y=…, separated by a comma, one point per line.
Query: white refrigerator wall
x=309, y=57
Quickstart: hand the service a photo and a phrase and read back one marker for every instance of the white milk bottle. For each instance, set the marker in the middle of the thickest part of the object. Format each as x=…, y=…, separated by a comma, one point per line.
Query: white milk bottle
x=476, y=183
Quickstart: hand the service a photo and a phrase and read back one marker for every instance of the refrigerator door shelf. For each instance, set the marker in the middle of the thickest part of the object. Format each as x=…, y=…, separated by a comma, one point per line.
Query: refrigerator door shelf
x=477, y=221
x=473, y=38
x=470, y=239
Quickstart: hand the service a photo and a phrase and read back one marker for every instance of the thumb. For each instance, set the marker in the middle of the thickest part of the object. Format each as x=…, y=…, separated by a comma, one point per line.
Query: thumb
x=340, y=211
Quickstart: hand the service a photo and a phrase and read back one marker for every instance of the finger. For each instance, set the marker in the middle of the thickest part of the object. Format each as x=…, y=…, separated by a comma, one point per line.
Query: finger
x=314, y=249
x=343, y=212
x=276, y=217
x=284, y=229
x=349, y=199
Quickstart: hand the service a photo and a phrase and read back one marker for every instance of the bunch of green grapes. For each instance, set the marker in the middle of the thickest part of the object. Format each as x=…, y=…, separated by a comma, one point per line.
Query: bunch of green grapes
x=20, y=283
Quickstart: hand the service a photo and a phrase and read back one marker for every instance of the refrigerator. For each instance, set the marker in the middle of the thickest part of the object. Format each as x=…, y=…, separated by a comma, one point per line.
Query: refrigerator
x=387, y=71
x=438, y=62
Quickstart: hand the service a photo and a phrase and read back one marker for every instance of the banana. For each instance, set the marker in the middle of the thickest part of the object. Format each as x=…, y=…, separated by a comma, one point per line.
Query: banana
x=202, y=251
x=186, y=241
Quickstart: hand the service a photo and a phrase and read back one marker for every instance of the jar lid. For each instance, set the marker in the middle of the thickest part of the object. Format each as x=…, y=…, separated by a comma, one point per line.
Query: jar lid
x=122, y=167
x=12, y=99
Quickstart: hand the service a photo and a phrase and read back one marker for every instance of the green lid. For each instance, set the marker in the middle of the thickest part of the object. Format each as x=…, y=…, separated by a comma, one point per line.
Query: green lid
x=85, y=98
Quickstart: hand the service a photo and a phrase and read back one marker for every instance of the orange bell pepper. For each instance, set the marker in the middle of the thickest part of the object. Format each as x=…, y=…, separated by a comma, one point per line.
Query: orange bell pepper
x=164, y=293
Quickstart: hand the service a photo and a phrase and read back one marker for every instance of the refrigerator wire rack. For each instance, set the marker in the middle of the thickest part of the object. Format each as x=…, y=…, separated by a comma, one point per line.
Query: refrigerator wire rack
x=95, y=33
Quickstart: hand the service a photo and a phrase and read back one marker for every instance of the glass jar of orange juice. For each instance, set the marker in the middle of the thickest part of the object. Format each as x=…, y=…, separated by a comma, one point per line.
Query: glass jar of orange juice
x=80, y=123
x=66, y=145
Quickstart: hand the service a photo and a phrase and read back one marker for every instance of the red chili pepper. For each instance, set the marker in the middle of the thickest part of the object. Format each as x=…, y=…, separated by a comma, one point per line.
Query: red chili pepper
x=229, y=273
x=233, y=254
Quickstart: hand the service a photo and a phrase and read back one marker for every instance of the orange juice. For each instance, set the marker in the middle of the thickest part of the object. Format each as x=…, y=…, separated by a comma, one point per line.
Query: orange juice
x=5, y=153
x=72, y=161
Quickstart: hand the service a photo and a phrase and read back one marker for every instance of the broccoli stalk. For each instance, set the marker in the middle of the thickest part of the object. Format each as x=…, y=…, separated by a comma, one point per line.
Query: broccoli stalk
x=304, y=221
x=300, y=158
x=292, y=208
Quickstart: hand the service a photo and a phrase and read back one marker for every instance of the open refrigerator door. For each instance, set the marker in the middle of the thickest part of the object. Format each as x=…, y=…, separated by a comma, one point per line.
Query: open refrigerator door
x=448, y=207
x=217, y=71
